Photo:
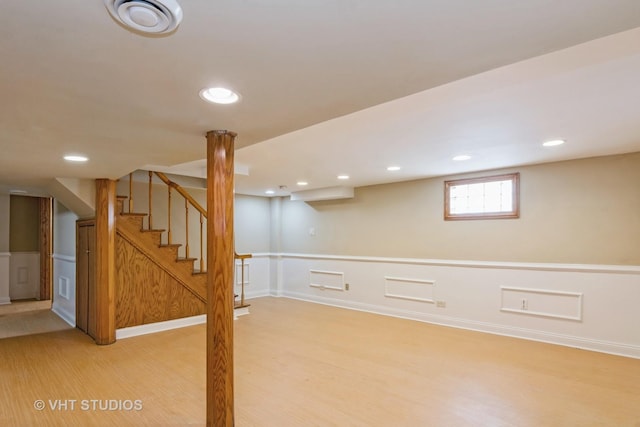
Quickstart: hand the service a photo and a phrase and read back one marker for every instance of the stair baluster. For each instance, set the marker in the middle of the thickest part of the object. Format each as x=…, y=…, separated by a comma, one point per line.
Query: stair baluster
x=202, y=267
x=169, y=214
x=131, y=192
x=186, y=228
x=150, y=204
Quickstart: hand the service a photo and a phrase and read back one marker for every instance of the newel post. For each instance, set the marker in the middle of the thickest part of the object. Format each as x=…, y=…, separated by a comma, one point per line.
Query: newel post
x=220, y=261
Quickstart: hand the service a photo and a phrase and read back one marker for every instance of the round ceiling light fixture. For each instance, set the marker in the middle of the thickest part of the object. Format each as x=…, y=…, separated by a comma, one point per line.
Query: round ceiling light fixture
x=219, y=95
x=76, y=158
x=146, y=16
x=553, y=142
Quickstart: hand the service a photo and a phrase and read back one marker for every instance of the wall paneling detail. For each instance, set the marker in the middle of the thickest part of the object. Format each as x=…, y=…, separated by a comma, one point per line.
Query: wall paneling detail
x=409, y=289
x=333, y=280
x=542, y=302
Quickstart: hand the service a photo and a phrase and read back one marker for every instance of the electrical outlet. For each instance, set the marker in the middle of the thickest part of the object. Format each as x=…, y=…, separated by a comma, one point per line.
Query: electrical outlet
x=346, y=286
x=441, y=304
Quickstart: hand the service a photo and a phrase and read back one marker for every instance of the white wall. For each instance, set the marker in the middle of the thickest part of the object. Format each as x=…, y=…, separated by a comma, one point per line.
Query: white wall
x=64, y=288
x=256, y=276
x=64, y=263
x=251, y=224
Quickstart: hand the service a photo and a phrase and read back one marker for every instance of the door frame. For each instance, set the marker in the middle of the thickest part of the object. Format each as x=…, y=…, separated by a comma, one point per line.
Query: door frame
x=46, y=247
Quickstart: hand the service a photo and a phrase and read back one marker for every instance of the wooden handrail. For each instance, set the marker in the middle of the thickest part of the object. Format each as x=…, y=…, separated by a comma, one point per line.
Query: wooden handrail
x=182, y=192
x=243, y=256
x=188, y=199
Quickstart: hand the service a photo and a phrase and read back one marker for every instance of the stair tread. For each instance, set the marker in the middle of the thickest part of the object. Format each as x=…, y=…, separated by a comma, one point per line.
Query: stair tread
x=153, y=230
x=170, y=245
x=132, y=214
x=198, y=272
x=186, y=259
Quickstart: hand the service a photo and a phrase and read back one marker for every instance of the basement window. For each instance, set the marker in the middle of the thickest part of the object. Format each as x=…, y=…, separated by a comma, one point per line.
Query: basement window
x=489, y=197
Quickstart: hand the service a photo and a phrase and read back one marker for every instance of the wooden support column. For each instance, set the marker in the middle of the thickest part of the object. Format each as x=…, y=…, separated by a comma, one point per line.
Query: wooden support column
x=220, y=260
x=105, y=261
x=45, y=205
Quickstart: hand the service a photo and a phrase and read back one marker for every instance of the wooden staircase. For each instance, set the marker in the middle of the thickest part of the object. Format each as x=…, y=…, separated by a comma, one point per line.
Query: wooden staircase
x=135, y=299
x=130, y=227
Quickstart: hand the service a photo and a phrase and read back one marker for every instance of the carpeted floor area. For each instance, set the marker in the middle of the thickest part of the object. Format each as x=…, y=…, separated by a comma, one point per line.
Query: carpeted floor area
x=26, y=322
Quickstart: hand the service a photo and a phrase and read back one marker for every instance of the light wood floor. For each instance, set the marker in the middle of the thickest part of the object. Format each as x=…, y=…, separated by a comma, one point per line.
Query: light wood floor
x=302, y=364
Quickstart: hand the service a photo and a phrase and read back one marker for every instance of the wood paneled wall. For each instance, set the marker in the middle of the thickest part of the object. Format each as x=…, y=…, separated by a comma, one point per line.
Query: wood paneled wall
x=145, y=293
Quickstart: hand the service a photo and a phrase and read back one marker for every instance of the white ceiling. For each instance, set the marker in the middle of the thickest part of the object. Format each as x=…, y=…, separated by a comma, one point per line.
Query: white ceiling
x=328, y=87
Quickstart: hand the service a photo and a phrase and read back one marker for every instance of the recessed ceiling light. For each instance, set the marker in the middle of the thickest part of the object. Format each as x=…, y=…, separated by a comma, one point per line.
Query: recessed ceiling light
x=219, y=95
x=269, y=192
x=302, y=183
x=76, y=158
x=343, y=176
x=553, y=143
x=461, y=158
x=393, y=168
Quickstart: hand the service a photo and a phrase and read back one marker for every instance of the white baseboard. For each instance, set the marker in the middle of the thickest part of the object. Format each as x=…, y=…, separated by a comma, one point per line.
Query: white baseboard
x=240, y=312
x=151, y=328
x=614, y=348
x=5, y=300
x=256, y=294
x=64, y=315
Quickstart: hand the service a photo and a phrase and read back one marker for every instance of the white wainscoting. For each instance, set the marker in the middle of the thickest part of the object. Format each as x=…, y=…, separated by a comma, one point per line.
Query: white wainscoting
x=542, y=302
x=24, y=275
x=409, y=289
x=322, y=279
x=256, y=276
x=586, y=306
x=64, y=287
x=4, y=277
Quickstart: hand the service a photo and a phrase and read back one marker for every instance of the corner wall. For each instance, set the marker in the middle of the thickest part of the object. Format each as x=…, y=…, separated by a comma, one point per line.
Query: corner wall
x=64, y=263
x=580, y=211
x=566, y=272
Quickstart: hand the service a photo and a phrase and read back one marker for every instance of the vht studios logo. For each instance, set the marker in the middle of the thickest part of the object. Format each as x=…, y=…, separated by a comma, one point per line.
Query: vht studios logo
x=88, y=405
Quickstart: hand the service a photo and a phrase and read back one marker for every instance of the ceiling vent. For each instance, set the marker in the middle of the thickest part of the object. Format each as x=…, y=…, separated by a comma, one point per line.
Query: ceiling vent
x=146, y=16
